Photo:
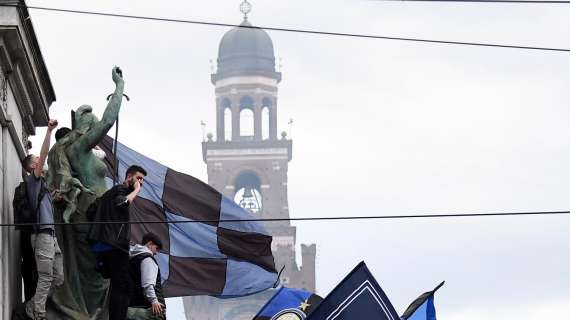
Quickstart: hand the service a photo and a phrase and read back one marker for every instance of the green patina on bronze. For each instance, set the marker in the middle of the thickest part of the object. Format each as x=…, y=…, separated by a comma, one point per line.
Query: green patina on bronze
x=77, y=178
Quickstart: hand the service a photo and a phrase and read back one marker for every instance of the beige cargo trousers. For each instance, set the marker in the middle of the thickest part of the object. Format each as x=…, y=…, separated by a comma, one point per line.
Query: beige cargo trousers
x=49, y=262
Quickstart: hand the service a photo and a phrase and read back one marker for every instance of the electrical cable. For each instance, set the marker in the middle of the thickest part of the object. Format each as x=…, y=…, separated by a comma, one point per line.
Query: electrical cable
x=390, y=217
x=485, y=1
x=304, y=31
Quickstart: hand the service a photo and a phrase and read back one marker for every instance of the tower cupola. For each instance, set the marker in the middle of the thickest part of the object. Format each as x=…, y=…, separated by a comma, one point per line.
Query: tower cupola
x=246, y=50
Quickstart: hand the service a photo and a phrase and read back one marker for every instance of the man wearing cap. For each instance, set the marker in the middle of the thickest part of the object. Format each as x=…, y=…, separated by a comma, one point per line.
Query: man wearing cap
x=147, y=300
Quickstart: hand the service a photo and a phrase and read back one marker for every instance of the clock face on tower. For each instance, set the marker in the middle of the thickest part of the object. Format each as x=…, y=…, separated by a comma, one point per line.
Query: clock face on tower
x=249, y=198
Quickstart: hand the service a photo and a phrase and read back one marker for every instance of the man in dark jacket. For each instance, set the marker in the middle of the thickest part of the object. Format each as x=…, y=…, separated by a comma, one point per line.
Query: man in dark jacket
x=110, y=242
x=147, y=299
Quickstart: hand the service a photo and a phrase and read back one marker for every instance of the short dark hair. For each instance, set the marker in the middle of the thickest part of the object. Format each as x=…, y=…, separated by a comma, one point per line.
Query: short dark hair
x=134, y=169
x=61, y=132
x=27, y=161
x=151, y=237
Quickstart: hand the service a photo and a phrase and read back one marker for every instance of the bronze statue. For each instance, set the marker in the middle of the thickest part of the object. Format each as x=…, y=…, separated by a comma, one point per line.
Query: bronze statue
x=77, y=177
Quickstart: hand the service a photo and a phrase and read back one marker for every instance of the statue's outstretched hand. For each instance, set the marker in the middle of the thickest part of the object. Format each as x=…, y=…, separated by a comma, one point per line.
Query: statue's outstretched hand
x=117, y=75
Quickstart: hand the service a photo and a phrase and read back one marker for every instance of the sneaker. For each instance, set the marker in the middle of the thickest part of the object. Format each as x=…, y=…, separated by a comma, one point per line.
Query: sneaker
x=40, y=316
x=30, y=309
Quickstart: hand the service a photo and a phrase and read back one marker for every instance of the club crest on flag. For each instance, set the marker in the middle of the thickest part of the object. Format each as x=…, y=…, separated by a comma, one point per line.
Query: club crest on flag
x=289, y=304
x=290, y=314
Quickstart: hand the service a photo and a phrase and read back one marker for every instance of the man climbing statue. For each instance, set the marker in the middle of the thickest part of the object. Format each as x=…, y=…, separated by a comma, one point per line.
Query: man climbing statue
x=44, y=243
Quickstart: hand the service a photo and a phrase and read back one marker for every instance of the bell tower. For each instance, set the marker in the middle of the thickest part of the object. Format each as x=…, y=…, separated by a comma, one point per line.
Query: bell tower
x=248, y=161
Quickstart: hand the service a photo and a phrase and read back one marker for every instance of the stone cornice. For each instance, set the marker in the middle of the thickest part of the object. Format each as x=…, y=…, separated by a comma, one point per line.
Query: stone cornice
x=23, y=63
x=224, y=148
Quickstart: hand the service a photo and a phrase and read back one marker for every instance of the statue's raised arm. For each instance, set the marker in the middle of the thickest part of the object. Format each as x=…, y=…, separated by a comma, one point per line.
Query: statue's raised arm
x=88, y=132
x=94, y=131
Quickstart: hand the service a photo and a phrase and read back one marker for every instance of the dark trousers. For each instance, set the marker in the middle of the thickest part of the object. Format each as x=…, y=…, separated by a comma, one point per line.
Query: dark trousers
x=28, y=264
x=116, y=264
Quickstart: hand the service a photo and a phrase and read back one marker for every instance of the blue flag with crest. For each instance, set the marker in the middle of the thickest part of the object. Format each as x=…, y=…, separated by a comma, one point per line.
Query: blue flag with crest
x=288, y=303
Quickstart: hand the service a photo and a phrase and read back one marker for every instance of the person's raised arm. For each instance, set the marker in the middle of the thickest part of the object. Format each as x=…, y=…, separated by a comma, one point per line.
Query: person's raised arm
x=52, y=124
x=124, y=199
x=98, y=131
x=137, y=188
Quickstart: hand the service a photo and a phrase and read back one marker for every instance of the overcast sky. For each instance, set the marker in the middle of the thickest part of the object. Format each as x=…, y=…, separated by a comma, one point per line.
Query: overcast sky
x=380, y=128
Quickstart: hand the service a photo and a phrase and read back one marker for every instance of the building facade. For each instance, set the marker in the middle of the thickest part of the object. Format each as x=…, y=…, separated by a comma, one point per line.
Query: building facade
x=26, y=94
x=247, y=160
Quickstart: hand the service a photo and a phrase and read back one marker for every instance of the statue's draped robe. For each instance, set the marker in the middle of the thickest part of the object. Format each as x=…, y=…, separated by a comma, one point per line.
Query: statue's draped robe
x=83, y=294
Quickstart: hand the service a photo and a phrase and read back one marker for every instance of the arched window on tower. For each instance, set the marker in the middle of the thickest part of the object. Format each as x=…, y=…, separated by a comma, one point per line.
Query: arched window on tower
x=246, y=118
x=227, y=105
x=266, y=104
x=265, y=123
x=228, y=124
x=246, y=123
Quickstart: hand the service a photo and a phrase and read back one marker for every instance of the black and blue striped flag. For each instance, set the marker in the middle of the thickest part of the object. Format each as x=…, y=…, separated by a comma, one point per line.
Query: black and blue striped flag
x=202, y=255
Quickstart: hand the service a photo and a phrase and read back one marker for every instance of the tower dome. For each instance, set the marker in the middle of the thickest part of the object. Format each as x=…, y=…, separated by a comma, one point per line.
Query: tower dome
x=246, y=50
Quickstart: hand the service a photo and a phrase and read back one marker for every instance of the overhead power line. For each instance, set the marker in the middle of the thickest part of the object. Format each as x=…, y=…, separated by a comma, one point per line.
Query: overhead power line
x=389, y=217
x=304, y=31
x=486, y=1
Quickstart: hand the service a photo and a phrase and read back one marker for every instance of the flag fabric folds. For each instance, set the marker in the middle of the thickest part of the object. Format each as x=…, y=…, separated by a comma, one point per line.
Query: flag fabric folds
x=423, y=307
x=201, y=255
x=288, y=303
x=357, y=297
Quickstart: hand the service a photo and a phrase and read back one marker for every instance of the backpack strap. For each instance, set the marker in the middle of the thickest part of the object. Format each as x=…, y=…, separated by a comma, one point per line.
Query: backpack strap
x=43, y=191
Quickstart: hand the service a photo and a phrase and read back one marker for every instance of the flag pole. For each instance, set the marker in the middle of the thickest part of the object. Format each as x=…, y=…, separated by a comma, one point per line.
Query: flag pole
x=116, y=142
